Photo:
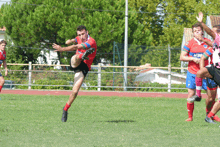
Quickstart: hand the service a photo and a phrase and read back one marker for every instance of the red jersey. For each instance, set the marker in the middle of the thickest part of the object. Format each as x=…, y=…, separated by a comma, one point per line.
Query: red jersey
x=2, y=57
x=90, y=43
x=195, y=49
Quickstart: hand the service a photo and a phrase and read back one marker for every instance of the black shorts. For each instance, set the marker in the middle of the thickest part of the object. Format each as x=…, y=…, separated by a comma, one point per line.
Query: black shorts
x=82, y=67
x=215, y=73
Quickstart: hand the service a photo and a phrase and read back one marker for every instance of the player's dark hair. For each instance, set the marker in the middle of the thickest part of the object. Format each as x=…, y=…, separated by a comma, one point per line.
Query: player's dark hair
x=217, y=27
x=198, y=24
x=3, y=41
x=81, y=27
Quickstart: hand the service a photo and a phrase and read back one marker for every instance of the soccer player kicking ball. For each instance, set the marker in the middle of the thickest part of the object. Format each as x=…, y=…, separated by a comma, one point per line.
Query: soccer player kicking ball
x=3, y=44
x=80, y=63
x=212, y=71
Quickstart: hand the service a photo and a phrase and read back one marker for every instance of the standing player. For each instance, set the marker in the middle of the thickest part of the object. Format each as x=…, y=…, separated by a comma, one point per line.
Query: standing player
x=81, y=62
x=192, y=53
x=212, y=71
x=3, y=44
x=211, y=85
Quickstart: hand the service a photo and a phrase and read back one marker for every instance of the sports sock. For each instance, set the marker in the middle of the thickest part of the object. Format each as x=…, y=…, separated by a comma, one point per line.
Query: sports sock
x=211, y=114
x=190, y=108
x=1, y=88
x=198, y=86
x=66, y=107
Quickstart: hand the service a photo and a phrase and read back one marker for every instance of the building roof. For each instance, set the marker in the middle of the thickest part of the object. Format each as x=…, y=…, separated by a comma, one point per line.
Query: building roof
x=211, y=21
x=215, y=20
x=188, y=35
x=3, y=29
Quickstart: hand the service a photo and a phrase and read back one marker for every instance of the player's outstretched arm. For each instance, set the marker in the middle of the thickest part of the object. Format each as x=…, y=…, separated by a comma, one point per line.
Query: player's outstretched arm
x=206, y=28
x=58, y=48
x=69, y=41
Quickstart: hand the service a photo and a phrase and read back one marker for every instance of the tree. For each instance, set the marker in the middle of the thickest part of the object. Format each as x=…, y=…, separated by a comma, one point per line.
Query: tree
x=166, y=19
x=40, y=23
x=150, y=15
x=182, y=14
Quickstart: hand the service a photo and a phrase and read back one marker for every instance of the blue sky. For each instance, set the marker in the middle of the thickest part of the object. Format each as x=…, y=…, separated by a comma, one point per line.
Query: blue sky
x=4, y=1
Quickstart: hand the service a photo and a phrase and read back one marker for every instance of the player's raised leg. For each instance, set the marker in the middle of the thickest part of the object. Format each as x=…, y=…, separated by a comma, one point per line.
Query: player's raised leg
x=197, y=96
x=202, y=73
x=75, y=61
x=87, y=53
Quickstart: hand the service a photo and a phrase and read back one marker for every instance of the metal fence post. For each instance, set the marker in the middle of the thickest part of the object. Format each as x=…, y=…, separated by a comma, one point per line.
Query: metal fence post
x=29, y=74
x=99, y=77
x=169, y=69
x=113, y=65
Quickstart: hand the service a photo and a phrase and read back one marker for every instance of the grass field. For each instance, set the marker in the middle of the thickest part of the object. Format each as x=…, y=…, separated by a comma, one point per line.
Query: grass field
x=93, y=121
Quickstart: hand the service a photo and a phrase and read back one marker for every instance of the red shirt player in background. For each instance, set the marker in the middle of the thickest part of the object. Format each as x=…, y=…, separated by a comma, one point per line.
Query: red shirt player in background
x=81, y=62
x=192, y=52
x=213, y=71
x=3, y=44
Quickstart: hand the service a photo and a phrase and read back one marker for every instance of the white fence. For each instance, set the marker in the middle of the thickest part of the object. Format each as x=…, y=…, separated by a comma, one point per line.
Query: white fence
x=111, y=74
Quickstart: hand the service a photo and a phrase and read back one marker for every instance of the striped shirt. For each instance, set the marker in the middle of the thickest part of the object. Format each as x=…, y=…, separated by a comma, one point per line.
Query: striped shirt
x=2, y=57
x=195, y=48
x=90, y=43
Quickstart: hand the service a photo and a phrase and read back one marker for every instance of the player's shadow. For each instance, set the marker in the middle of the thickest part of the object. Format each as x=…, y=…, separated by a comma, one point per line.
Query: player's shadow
x=120, y=121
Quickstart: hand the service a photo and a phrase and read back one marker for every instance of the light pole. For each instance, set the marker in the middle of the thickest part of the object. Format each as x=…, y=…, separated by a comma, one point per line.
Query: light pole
x=126, y=46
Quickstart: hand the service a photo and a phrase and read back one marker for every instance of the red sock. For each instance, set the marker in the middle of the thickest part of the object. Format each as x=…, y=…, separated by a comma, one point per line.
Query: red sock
x=198, y=86
x=1, y=88
x=211, y=114
x=80, y=56
x=190, y=108
x=66, y=107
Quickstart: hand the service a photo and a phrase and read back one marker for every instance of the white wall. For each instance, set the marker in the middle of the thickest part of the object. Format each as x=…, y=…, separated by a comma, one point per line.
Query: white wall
x=153, y=76
x=51, y=58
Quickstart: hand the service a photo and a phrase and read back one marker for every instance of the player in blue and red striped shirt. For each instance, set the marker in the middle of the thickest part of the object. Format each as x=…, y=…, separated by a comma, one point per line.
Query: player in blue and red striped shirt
x=212, y=71
x=192, y=52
